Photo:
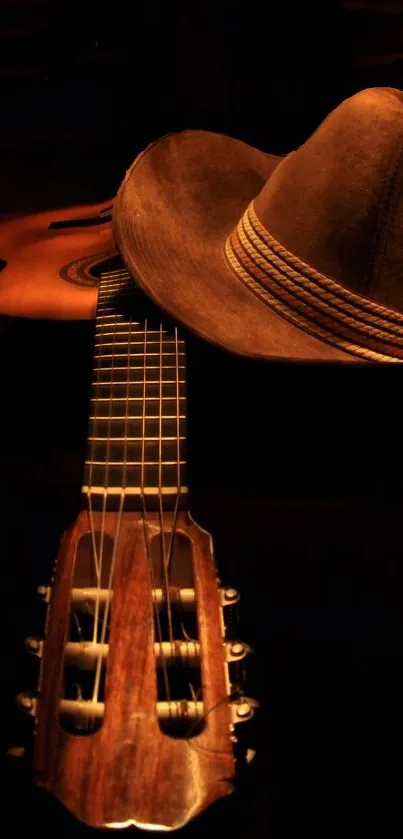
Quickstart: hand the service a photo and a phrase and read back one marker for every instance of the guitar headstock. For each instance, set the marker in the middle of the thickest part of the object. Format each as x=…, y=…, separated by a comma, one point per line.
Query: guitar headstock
x=141, y=695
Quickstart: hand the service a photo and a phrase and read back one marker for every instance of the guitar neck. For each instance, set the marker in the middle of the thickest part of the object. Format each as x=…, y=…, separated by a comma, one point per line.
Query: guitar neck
x=137, y=423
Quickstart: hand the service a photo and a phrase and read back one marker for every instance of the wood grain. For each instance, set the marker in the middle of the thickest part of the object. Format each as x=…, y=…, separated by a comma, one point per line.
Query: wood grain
x=129, y=772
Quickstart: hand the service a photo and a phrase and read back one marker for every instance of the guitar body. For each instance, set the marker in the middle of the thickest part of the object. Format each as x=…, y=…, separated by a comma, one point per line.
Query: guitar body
x=48, y=262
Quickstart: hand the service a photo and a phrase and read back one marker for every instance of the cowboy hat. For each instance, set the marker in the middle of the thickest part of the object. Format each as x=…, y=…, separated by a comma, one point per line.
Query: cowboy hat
x=294, y=257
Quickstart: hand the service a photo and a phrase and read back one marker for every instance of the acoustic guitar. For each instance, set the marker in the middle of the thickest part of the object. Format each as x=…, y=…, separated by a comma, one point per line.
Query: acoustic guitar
x=49, y=261
x=141, y=676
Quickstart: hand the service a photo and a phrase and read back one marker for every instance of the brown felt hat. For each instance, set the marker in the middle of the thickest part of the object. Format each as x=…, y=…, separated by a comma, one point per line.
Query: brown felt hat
x=296, y=257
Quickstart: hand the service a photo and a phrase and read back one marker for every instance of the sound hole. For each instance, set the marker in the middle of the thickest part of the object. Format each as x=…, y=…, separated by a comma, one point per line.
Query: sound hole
x=176, y=636
x=85, y=656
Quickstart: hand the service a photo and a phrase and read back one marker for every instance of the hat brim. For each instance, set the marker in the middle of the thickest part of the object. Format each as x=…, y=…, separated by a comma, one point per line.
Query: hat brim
x=177, y=205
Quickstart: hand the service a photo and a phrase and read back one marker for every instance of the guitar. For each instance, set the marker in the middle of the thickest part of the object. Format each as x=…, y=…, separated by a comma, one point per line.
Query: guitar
x=140, y=685
x=48, y=262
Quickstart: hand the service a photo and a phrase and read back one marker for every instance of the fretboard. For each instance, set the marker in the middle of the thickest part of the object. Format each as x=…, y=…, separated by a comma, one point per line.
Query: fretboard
x=137, y=418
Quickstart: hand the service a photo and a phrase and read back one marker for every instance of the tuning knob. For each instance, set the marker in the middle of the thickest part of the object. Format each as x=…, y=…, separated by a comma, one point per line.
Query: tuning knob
x=27, y=704
x=243, y=709
x=34, y=646
x=44, y=593
x=229, y=596
x=236, y=650
x=16, y=751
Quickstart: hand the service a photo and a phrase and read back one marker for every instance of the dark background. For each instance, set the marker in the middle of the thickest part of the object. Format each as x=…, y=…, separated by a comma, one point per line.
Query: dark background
x=296, y=471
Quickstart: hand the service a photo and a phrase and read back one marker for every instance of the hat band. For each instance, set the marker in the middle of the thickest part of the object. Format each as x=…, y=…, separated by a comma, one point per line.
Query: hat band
x=312, y=301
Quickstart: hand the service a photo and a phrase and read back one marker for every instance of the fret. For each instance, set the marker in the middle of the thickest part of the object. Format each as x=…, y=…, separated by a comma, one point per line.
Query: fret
x=139, y=418
x=133, y=439
x=114, y=298
x=124, y=463
x=120, y=450
x=135, y=427
x=135, y=390
x=122, y=286
x=116, y=292
x=119, y=407
x=154, y=343
x=121, y=361
x=120, y=332
x=108, y=317
x=136, y=355
x=111, y=491
x=114, y=310
x=141, y=399
x=137, y=374
x=114, y=273
x=117, y=276
x=148, y=385
x=118, y=280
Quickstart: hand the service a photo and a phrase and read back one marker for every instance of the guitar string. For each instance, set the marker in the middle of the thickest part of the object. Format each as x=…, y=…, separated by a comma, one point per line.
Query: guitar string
x=155, y=606
x=178, y=475
x=98, y=670
x=92, y=458
x=123, y=487
x=198, y=747
x=98, y=558
x=97, y=561
x=109, y=598
x=169, y=554
x=178, y=480
x=105, y=496
x=165, y=568
x=128, y=382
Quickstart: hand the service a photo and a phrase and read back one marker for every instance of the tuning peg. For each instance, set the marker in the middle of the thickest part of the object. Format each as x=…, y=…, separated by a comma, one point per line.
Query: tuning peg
x=236, y=650
x=34, y=646
x=27, y=703
x=243, y=709
x=44, y=593
x=16, y=751
x=229, y=596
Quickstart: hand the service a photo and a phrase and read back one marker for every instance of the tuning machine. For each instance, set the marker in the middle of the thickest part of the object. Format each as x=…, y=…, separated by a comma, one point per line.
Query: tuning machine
x=27, y=701
x=44, y=593
x=229, y=596
x=242, y=707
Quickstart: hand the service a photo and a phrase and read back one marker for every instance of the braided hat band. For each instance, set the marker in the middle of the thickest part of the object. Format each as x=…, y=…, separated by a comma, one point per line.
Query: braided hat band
x=311, y=300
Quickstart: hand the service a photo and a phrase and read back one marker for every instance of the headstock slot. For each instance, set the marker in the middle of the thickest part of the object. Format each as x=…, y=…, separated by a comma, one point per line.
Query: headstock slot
x=87, y=636
x=176, y=635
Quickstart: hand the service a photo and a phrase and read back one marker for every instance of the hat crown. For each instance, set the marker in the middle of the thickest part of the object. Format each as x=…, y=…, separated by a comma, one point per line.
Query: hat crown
x=337, y=201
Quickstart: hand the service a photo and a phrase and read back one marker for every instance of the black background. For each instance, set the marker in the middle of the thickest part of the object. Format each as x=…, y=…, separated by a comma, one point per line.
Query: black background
x=296, y=471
